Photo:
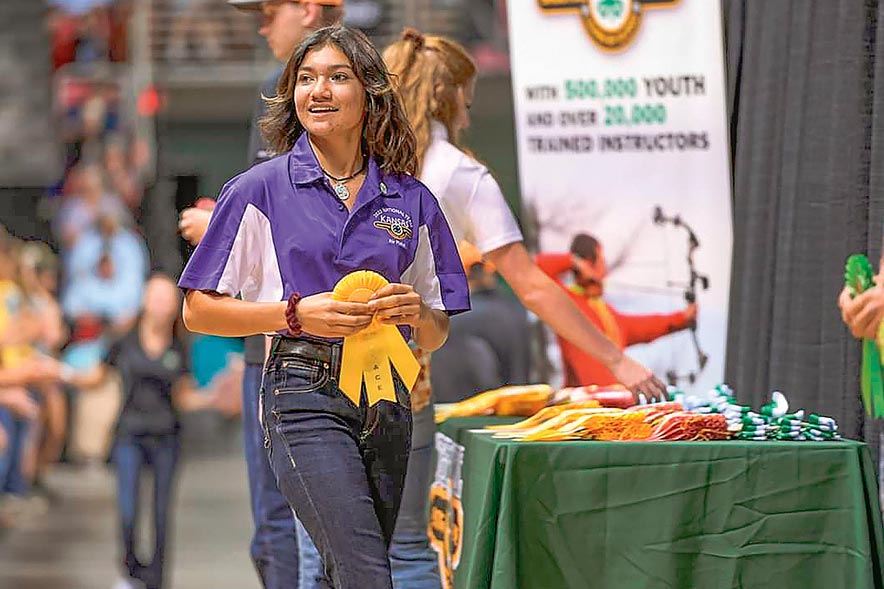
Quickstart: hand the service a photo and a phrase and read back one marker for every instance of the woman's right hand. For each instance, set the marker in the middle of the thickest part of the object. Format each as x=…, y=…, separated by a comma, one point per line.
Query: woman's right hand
x=863, y=313
x=638, y=379
x=323, y=316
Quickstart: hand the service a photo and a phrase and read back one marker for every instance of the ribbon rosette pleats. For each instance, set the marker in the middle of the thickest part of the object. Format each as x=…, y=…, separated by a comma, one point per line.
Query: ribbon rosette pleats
x=369, y=354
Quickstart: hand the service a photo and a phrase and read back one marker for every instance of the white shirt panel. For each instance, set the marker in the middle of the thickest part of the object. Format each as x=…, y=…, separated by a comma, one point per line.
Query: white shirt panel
x=421, y=274
x=254, y=241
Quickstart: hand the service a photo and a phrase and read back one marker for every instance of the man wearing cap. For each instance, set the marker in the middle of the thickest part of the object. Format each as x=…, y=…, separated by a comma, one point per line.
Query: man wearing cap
x=274, y=549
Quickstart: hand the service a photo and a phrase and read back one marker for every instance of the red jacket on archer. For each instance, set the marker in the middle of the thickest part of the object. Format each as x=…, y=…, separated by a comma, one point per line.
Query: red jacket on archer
x=581, y=369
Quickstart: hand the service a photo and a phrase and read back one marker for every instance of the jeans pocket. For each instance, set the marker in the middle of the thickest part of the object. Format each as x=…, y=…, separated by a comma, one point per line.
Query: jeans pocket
x=299, y=375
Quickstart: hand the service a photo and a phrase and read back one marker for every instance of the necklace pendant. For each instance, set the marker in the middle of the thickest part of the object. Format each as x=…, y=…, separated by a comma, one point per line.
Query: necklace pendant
x=342, y=192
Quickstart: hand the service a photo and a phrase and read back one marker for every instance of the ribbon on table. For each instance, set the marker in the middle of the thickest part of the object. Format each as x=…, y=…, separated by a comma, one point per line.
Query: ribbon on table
x=369, y=354
x=859, y=277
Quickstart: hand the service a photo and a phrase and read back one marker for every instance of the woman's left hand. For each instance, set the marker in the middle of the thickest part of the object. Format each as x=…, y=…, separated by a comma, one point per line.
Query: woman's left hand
x=397, y=304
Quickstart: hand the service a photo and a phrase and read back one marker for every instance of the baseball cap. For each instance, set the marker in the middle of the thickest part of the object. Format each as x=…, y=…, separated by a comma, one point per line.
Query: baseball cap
x=256, y=4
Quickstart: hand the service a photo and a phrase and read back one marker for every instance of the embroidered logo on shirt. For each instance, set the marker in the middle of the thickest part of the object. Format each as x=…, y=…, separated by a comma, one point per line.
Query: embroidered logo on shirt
x=395, y=222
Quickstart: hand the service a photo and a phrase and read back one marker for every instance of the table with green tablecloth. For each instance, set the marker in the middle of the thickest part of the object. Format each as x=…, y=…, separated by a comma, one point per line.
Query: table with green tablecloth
x=693, y=515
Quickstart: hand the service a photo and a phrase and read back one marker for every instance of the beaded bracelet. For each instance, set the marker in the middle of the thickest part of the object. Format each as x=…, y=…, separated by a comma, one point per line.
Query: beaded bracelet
x=291, y=315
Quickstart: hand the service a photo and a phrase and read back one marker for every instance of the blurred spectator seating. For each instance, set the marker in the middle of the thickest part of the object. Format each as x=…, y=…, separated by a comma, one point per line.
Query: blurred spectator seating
x=203, y=30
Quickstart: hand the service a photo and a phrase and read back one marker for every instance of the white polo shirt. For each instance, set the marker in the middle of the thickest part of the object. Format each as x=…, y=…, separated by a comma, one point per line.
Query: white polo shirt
x=469, y=196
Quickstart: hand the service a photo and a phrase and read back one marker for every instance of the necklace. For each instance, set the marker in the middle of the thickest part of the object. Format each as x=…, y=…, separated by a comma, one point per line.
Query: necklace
x=340, y=184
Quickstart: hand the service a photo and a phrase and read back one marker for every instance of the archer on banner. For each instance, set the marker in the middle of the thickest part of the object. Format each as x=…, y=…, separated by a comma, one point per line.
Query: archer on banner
x=626, y=142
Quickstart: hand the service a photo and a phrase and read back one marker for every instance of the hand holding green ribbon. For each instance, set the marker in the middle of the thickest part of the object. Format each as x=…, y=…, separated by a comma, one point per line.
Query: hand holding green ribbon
x=859, y=277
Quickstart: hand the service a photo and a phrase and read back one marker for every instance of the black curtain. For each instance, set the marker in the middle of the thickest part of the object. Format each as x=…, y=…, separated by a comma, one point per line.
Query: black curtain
x=806, y=99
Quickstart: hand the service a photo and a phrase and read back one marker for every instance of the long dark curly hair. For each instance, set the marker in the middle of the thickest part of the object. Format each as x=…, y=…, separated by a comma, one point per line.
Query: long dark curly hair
x=386, y=133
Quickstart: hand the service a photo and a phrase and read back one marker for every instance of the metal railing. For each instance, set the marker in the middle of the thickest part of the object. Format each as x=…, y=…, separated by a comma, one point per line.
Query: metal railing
x=197, y=41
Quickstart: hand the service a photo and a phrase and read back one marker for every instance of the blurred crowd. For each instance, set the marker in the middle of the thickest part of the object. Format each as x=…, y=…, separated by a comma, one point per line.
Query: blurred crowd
x=63, y=304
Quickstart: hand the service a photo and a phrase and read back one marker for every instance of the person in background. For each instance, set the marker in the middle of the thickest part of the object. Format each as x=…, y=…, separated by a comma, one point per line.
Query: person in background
x=23, y=370
x=495, y=316
x=586, y=263
x=153, y=365
x=864, y=313
x=106, y=270
x=487, y=347
x=39, y=278
x=274, y=546
x=17, y=331
x=436, y=77
x=88, y=199
x=122, y=171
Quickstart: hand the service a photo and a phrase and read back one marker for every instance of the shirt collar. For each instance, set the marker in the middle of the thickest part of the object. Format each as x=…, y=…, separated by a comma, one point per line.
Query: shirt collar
x=303, y=163
x=305, y=169
x=378, y=182
x=438, y=130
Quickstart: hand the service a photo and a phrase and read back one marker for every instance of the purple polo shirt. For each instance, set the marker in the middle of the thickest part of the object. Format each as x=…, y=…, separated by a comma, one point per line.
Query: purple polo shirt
x=278, y=228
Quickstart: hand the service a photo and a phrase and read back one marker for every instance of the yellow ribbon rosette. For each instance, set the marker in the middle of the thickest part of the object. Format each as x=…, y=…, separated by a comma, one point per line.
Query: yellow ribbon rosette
x=368, y=355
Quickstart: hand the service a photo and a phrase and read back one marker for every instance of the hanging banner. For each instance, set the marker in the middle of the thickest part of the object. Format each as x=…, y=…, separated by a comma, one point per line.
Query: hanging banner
x=445, y=528
x=622, y=141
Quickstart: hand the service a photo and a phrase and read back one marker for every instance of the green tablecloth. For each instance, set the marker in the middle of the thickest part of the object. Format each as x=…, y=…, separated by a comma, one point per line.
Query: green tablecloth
x=707, y=515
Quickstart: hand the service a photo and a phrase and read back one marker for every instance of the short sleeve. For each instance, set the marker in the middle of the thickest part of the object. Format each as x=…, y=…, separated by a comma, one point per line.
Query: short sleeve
x=222, y=261
x=436, y=273
x=492, y=224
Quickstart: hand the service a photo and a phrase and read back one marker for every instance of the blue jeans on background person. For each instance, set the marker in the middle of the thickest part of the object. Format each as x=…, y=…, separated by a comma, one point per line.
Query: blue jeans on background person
x=12, y=479
x=274, y=547
x=311, y=575
x=341, y=467
x=132, y=453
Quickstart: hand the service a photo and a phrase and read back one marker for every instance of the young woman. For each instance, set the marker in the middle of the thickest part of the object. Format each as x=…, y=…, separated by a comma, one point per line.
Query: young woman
x=155, y=374
x=338, y=199
x=435, y=78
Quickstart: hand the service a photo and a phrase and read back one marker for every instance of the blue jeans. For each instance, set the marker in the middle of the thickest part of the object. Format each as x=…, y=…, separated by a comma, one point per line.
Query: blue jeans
x=132, y=453
x=415, y=564
x=341, y=467
x=12, y=478
x=274, y=548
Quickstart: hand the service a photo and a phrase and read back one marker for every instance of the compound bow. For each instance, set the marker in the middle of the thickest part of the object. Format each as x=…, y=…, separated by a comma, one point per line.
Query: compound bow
x=695, y=279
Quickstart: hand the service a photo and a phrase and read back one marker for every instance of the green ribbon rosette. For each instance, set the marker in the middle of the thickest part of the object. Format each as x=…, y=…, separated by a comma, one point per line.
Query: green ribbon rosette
x=859, y=277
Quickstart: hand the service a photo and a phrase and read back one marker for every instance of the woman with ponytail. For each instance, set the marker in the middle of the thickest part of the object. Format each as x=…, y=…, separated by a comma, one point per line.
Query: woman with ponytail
x=435, y=79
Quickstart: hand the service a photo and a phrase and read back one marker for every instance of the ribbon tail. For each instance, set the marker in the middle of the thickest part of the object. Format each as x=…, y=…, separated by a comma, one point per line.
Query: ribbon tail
x=352, y=361
x=402, y=357
x=377, y=373
x=367, y=358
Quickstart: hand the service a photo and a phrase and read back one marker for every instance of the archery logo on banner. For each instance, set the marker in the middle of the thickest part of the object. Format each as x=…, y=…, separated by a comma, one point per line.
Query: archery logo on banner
x=446, y=510
x=624, y=170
